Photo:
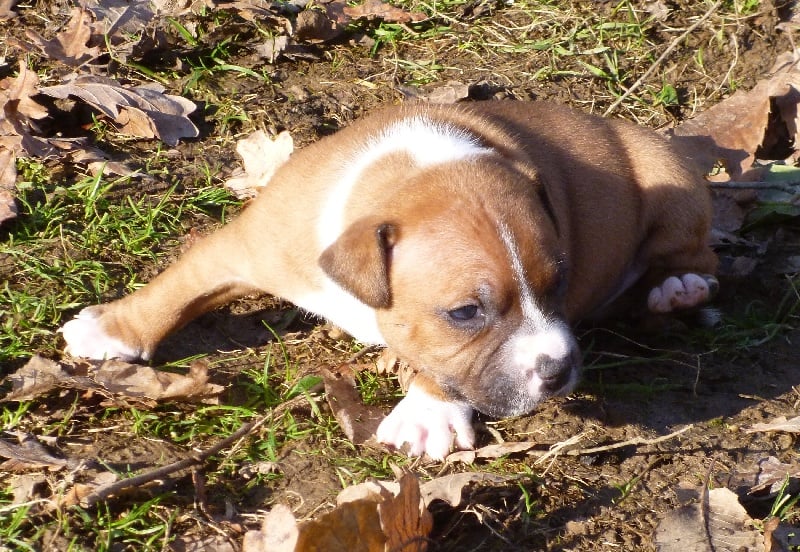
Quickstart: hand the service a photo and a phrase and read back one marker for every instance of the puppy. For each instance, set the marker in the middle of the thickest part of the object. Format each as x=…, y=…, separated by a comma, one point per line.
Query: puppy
x=466, y=238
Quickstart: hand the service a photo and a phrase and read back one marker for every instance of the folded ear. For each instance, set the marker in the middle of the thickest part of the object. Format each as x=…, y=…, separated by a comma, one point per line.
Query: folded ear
x=359, y=261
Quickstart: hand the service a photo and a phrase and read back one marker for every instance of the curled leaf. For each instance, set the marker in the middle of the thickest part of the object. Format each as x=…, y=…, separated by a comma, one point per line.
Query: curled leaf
x=143, y=111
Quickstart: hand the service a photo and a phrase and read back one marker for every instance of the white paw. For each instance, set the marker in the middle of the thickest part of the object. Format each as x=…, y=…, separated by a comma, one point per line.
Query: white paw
x=428, y=425
x=86, y=338
x=676, y=293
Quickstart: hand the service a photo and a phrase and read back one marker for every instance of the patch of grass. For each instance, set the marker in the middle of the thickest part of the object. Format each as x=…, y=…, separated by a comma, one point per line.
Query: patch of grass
x=73, y=244
x=12, y=416
x=758, y=323
x=373, y=387
x=784, y=507
x=353, y=468
x=625, y=489
x=145, y=526
x=14, y=524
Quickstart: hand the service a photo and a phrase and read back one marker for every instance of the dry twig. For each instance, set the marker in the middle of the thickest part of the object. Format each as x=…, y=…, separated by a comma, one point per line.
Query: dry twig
x=636, y=441
x=105, y=491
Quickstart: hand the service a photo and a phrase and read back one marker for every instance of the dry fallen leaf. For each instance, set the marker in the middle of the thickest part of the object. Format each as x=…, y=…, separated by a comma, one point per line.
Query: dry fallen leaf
x=41, y=376
x=272, y=47
x=733, y=129
x=368, y=490
x=723, y=524
x=372, y=9
x=133, y=380
x=143, y=111
x=778, y=424
x=26, y=487
x=180, y=7
x=764, y=478
x=503, y=449
x=380, y=520
x=70, y=46
x=489, y=451
x=261, y=157
x=315, y=26
x=28, y=454
x=355, y=527
x=258, y=11
x=388, y=363
x=405, y=520
x=81, y=490
x=18, y=115
x=8, y=179
x=20, y=91
x=279, y=533
x=450, y=93
x=38, y=377
x=358, y=421
x=451, y=487
x=118, y=17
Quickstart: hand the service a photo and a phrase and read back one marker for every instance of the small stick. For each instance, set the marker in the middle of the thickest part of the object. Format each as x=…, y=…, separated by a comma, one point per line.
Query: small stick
x=704, y=505
x=105, y=491
x=613, y=446
x=674, y=44
x=635, y=441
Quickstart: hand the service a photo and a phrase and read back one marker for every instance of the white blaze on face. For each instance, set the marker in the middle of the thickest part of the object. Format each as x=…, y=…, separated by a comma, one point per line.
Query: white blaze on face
x=538, y=336
x=530, y=310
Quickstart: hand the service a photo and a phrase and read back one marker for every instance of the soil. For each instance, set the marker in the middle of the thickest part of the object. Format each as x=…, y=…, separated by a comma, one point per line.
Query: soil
x=637, y=383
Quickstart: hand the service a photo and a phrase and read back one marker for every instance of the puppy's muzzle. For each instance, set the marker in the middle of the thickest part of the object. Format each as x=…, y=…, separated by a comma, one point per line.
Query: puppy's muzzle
x=532, y=367
x=555, y=373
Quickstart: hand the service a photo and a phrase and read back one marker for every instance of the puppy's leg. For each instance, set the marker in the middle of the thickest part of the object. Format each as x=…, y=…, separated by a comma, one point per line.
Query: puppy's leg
x=212, y=272
x=428, y=422
x=681, y=271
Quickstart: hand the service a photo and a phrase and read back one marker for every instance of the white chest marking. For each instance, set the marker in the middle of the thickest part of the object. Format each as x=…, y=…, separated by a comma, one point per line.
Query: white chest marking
x=336, y=305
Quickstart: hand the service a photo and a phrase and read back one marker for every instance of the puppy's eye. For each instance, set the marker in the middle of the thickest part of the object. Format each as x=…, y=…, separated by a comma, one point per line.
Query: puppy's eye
x=465, y=313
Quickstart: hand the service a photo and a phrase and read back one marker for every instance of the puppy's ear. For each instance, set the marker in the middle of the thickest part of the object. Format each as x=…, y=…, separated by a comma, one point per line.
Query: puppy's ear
x=359, y=261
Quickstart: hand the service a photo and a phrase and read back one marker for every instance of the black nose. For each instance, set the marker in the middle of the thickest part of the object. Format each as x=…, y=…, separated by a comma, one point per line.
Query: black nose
x=555, y=373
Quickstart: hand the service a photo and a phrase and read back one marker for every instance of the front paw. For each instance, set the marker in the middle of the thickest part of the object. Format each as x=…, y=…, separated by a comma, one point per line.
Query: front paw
x=87, y=336
x=428, y=425
x=679, y=293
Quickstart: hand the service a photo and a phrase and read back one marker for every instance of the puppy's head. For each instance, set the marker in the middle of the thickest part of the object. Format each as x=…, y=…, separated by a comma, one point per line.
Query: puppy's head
x=469, y=282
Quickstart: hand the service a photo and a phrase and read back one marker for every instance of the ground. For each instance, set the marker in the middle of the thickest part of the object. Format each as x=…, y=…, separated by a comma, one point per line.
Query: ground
x=638, y=382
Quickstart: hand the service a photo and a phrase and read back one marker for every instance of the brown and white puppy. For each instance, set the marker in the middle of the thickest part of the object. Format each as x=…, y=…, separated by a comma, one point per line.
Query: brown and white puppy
x=466, y=238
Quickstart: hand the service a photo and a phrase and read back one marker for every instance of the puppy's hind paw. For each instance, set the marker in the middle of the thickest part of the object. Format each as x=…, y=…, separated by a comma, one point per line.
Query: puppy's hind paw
x=680, y=293
x=86, y=337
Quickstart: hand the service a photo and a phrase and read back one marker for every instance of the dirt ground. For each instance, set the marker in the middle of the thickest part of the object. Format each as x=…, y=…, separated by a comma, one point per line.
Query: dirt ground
x=638, y=382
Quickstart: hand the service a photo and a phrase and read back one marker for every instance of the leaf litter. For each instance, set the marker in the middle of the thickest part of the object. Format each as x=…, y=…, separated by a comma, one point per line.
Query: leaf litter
x=114, y=378
x=71, y=45
x=376, y=520
x=143, y=111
